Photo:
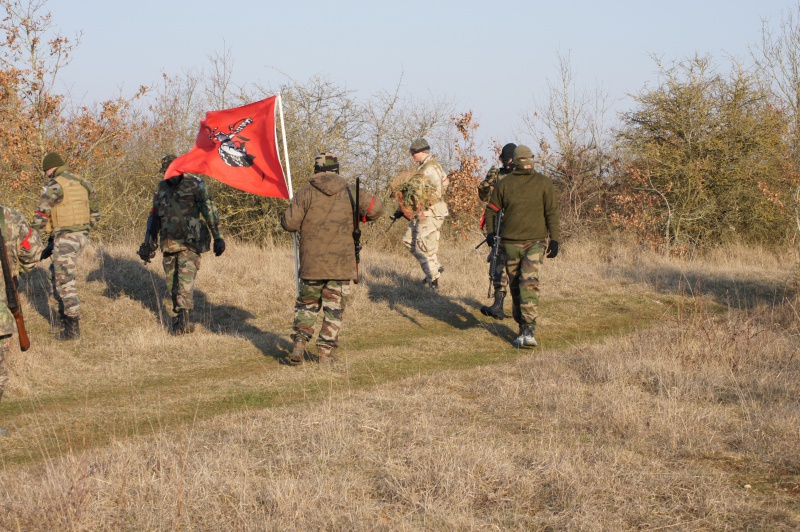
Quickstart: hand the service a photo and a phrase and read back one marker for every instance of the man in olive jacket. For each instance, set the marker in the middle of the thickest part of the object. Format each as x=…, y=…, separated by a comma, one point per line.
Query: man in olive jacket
x=529, y=203
x=322, y=214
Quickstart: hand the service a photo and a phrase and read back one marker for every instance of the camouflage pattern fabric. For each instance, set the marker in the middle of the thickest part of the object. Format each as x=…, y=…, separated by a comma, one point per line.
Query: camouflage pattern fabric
x=67, y=250
x=487, y=185
x=181, y=268
x=53, y=194
x=422, y=240
x=192, y=198
x=499, y=276
x=524, y=265
x=331, y=297
x=24, y=247
x=5, y=348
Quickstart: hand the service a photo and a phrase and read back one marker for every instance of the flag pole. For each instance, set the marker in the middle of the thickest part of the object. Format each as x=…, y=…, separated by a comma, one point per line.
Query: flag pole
x=289, y=186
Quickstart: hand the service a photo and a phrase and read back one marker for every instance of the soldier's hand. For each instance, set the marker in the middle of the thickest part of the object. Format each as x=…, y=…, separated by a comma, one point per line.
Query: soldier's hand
x=47, y=251
x=219, y=247
x=145, y=253
x=397, y=214
x=552, y=250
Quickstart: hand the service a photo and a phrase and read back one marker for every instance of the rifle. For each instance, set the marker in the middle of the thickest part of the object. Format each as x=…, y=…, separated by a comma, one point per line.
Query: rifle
x=12, y=296
x=148, y=248
x=356, y=228
x=495, y=249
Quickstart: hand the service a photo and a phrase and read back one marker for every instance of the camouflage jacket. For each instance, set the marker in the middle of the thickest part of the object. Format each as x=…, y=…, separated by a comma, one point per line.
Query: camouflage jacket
x=425, y=190
x=53, y=194
x=182, y=228
x=486, y=186
x=24, y=248
x=322, y=214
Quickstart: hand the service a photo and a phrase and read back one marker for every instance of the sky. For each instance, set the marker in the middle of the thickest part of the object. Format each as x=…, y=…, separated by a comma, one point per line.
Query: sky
x=493, y=58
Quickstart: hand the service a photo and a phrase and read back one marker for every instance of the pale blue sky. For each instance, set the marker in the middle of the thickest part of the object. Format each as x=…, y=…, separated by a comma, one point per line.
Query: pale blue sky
x=491, y=57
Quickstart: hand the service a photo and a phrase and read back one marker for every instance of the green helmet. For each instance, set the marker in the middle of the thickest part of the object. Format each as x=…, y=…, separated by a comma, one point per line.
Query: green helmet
x=166, y=161
x=419, y=145
x=325, y=162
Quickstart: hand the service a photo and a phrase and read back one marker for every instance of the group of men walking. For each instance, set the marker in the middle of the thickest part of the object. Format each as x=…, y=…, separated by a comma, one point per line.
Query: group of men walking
x=521, y=211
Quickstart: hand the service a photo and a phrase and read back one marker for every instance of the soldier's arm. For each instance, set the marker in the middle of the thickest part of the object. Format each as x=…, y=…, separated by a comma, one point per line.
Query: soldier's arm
x=51, y=195
x=486, y=186
x=292, y=218
x=552, y=211
x=492, y=207
x=30, y=246
x=94, y=206
x=208, y=209
x=371, y=208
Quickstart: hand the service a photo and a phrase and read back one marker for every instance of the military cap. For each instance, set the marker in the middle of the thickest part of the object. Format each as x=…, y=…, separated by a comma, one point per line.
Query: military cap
x=325, y=162
x=419, y=145
x=52, y=160
x=166, y=161
x=507, y=152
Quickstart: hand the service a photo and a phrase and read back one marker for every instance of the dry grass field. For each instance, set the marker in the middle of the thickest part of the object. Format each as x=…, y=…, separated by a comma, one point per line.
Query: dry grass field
x=665, y=395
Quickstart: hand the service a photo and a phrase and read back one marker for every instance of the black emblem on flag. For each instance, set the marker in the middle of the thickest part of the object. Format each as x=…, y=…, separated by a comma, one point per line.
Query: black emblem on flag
x=232, y=148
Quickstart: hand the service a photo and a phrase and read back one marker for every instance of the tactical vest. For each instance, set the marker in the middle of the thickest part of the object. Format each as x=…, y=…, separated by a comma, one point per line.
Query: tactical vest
x=73, y=210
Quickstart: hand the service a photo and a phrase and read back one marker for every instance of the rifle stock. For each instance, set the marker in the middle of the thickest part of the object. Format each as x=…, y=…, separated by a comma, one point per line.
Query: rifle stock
x=12, y=297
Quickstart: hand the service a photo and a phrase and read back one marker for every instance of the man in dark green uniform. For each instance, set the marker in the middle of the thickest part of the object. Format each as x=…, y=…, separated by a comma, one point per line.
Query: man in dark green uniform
x=530, y=218
x=177, y=205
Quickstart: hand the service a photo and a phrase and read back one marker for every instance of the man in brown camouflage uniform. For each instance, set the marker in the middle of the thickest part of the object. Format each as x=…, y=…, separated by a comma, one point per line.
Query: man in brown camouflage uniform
x=322, y=213
x=24, y=248
x=177, y=205
x=424, y=194
x=530, y=217
x=498, y=276
x=68, y=209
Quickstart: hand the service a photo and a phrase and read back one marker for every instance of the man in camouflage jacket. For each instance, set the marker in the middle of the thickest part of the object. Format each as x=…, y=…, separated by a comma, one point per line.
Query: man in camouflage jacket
x=498, y=276
x=68, y=210
x=529, y=233
x=322, y=214
x=424, y=195
x=177, y=206
x=24, y=248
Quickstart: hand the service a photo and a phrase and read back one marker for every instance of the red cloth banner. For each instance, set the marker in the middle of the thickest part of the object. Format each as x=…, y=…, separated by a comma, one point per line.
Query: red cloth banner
x=238, y=147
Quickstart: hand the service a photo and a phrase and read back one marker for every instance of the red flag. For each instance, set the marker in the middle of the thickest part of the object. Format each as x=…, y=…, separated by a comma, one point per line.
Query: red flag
x=238, y=147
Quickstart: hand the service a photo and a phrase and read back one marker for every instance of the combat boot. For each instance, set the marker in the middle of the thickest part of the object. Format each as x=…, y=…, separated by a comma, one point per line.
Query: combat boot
x=72, y=329
x=298, y=354
x=325, y=355
x=496, y=309
x=181, y=324
x=525, y=338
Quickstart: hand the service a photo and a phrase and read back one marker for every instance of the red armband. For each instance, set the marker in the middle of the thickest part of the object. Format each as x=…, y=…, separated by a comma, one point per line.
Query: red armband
x=26, y=242
x=43, y=215
x=494, y=207
x=369, y=210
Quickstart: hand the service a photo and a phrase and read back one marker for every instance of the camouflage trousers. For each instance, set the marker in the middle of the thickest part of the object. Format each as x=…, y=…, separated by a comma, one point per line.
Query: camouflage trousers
x=499, y=276
x=524, y=265
x=422, y=240
x=67, y=249
x=5, y=347
x=332, y=297
x=180, y=269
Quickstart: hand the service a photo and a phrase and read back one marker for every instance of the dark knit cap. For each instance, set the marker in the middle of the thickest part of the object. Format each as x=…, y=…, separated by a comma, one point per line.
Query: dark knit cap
x=419, y=145
x=507, y=152
x=52, y=160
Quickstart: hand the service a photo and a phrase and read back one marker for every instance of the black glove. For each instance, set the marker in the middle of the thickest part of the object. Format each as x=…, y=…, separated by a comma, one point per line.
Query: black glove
x=146, y=252
x=48, y=249
x=490, y=240
x=397, y=214
x=552, y=250
x=219, y=246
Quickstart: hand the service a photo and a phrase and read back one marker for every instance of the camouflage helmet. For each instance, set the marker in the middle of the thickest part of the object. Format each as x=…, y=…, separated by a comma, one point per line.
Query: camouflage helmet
x=166, y=161
x=325, y=162
x=507, y=153
x=51, y=160
x=419, y=145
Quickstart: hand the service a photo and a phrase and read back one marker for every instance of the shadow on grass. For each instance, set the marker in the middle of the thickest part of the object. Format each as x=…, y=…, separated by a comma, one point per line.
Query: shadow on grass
x=401, y=290
x=742, y=293
x=130, y=278
x=36, y=286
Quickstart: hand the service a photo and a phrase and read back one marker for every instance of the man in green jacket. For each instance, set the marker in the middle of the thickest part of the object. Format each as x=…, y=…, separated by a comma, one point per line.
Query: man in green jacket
x=530, y=219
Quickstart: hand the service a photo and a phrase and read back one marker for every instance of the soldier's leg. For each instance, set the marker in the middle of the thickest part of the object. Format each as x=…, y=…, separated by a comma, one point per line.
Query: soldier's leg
x=529, y=270
x=188, y=263
x=334, y=301
x=428, y=234
x=306, y=309
x=410, y=241
x=5, y=347
x=170, y=263
x=513, y=257
x=66, y=252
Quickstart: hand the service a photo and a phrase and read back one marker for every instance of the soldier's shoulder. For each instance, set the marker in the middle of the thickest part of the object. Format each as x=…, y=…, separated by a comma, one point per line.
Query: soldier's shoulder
x=13, y=217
